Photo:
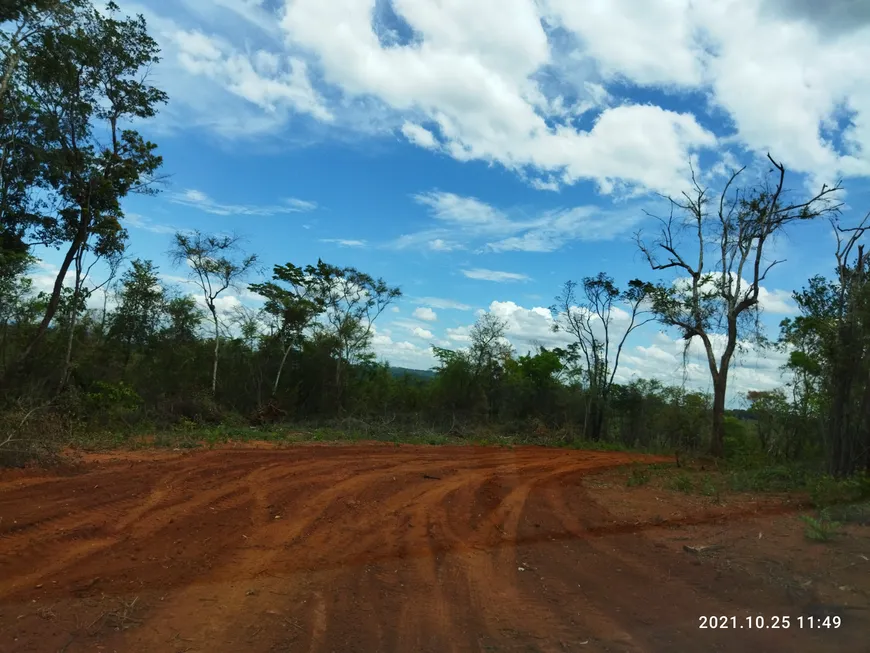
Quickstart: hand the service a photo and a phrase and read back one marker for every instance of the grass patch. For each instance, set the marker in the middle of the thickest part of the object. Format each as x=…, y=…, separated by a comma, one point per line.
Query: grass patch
x=639, y=476
x=776, y=478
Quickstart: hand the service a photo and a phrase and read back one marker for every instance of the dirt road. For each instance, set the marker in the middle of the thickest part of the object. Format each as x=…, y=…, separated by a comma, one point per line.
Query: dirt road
x=359, y=548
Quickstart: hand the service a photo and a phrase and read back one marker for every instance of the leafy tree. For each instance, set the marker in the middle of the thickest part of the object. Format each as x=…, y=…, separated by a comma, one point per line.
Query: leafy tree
x=292, y=302
x=591, y=319
x=351, y=301
x=721, y=271
x=831, y=356
x=215, y=266
x=82, y=83
x=183, y=319
x=141, y=299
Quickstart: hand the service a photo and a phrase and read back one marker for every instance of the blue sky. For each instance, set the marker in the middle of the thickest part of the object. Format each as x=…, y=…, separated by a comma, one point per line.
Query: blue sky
x=479, y=154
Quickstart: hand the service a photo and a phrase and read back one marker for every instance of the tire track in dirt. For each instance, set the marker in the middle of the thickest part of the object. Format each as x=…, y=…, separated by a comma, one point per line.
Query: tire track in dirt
x=352, y=548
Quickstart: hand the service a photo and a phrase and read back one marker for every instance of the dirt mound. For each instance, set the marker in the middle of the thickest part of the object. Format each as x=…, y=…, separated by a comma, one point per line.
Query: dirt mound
x=357, y=548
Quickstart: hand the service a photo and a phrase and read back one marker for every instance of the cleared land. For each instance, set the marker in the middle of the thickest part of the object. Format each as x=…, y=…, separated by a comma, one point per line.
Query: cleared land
x=382, y=548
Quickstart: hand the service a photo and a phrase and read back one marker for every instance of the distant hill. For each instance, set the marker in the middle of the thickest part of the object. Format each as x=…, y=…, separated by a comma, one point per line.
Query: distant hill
x=419, y=374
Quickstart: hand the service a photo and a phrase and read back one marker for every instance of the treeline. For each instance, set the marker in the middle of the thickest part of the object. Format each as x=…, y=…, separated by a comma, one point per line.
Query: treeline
x=74, y=90
x=149, y=357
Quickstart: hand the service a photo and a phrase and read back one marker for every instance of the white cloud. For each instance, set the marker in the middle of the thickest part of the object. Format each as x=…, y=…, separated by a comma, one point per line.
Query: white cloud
x=423, y=333
x=439, y=302
x=753, y=368
x=270, y=80
x=199, y=200
x=460, y=334
x=776, y=302
x=494, y=275
x=137, y=221
x=551, y=99
x=419, y=135
x=464, y=221
x=441, y=245
x=425, y=313
x=343, y=242
x=402, y=353
x=660, y=358
x=478, y=85
x=395, y=309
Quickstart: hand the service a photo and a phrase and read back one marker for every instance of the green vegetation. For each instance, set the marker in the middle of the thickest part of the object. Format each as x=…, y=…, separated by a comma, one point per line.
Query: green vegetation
x=681, y=482
x=638, y=476
x=820, y=529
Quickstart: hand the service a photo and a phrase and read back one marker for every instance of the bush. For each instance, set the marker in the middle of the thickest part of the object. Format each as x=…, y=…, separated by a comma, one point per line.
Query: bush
x=639, y=476
x=827, y=490
x=780, y=478
x=682, y=482
x=110, y=404
x=820, y=530
x=30, y=436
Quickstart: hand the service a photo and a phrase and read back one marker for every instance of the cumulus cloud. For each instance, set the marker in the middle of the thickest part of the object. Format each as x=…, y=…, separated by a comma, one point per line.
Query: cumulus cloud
x=419, y=135
x=775, y=302
x=551, y=93
x=660, y=357
x=402, y=353
x=425, y=313
x=423, y=333
x=267, y=79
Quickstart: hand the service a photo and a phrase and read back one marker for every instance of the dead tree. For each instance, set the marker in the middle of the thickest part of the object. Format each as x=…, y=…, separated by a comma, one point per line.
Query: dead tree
x=719, y=275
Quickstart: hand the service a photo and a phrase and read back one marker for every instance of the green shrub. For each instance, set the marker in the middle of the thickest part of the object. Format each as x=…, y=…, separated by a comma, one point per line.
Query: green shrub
x=852, y=513
x=709, y=488
x=682, y=482
x=639, y=476
x=108, y=405
x=778, y=478
x=820, y=530
x=828, y=490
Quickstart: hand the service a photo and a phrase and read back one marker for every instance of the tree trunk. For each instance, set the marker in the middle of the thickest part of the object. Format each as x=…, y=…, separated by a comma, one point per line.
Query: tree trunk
x=597, y=422
x=280, y=369
x=217, y=343
x=67, y=365
x=53, y=302
x=717, y=436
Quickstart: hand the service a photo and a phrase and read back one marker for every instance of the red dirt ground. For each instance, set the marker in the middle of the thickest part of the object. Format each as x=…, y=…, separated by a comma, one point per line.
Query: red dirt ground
x=377, y=548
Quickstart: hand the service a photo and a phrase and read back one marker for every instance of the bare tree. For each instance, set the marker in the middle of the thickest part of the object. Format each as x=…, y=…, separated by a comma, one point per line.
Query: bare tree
x=721, y=271
x=590, y=319
x=215, y=265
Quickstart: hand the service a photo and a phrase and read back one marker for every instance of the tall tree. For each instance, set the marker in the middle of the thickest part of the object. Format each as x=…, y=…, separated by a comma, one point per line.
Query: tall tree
x=830, y=342
x=721, y=271
x=292, y=302
x=352, y=301
x=84, y=82
x=22, y=24
x=215, y=264
x=591, y=320
x=141, y=300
